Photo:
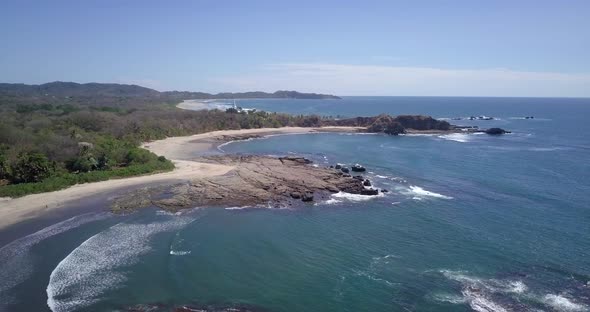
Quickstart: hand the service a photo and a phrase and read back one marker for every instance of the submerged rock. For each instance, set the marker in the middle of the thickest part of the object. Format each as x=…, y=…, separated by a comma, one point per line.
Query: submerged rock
x=358, y=168
x=307, y=197
x=370, y=191
x=496, y=131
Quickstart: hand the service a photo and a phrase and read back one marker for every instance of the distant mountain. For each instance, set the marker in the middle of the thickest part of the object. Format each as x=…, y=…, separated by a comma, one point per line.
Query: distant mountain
x=63, y=89
x=72, y=89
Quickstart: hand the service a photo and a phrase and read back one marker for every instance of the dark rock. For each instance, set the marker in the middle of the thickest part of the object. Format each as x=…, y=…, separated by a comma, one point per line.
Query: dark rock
x=345, y=170
x=370, y=191
x=307, y=197
x=346, y=175
x=295, y=195
x=359, y=177
x=496, y=131
x=384, y=191
x=338, y=166
x=332, y=189
x=397, y=125
x=296, y=159
x=358, y=168
x=331, y=166
x=367, y=182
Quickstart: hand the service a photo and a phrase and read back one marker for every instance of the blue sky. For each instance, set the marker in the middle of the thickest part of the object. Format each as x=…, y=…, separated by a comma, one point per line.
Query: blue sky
x=481, y=48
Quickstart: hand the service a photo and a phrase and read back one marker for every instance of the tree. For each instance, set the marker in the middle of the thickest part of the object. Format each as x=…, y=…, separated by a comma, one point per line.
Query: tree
x=5, y=171
x=84, y=163
x=31, y=167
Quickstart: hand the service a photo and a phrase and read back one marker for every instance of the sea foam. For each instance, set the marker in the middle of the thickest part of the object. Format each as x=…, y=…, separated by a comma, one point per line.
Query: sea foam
x=457, y=137
x=561, y=303
x=354, y=197
x=92, y=268
x=419, y=193
x=15, y=257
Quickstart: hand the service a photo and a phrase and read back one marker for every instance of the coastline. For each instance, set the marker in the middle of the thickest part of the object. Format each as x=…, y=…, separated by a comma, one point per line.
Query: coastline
x=194, y=104
x=180, y=150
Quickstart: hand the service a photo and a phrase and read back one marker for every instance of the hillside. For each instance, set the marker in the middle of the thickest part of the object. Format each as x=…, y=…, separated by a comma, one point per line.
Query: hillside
x=119, y=95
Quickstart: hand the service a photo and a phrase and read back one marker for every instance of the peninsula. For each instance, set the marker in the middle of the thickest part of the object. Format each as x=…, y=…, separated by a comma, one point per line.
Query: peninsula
x=56, y=138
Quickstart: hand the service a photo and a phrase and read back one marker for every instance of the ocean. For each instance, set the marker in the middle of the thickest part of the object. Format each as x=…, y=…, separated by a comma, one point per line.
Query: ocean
x=471, y=223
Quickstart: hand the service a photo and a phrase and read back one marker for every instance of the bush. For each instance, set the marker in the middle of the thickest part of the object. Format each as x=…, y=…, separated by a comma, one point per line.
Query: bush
x=62, y=181
x=5, y=171
x=83, y=163
x=139, y=156
x=31, y=167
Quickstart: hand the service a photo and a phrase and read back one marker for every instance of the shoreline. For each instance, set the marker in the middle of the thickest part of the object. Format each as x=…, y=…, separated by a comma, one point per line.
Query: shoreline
x=180, y=150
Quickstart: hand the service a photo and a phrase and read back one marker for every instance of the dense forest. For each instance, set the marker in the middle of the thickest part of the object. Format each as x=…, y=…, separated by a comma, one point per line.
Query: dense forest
x=59, y=134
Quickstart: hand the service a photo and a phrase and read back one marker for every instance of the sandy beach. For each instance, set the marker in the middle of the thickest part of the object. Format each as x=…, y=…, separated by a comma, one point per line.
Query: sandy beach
x=178, y=149
x=194, y=104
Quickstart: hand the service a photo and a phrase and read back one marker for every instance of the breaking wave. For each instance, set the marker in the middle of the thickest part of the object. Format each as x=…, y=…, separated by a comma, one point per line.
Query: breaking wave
x=561, y=303
x=354, y=197
x=180, y=252
x=503, y=295
x=15, y=257
x=419, y=193
x=457, y=137
x=91, y=269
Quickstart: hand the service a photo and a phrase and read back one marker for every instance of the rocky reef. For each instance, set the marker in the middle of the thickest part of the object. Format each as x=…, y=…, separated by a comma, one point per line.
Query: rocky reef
x=254, y=181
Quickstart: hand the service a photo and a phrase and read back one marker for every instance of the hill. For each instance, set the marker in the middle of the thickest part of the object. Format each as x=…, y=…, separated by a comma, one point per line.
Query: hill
x=102, y=94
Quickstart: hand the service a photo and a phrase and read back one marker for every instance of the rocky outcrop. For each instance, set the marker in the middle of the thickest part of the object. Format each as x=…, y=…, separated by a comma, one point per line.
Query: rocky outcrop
x=370, y=191
x=400, y=124
x=358, y=168
x=420, y=122
x=496, y=131
x=260, y=180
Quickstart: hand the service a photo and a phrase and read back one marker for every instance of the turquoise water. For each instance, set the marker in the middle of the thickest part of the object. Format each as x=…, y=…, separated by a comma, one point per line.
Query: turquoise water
x=471, y=223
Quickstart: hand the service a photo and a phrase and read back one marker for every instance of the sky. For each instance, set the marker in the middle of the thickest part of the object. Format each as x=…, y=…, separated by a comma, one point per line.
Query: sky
x=423, y=48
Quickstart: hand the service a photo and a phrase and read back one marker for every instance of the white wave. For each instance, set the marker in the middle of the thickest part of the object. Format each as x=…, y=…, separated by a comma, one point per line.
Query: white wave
x=180, y=252
x=419, y=193
x=480, y=303
x=374, y=278
x=457, y=137
x=531, y=119
x=476, y=291
x=91, y=268
x=386, y=257
x=354, y=197
x=237, y=208
x=492, y=285
x=449, y=298
x=332, y=201
x=546, y=149
x=15, y=257
x=382, y=176
x=418, y=134
x=561, y=303
x=517, y=287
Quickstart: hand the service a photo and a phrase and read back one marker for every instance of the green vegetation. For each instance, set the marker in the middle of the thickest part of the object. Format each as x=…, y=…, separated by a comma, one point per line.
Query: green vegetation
x=59, y=134
x=56, y=135
x=63, y=180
